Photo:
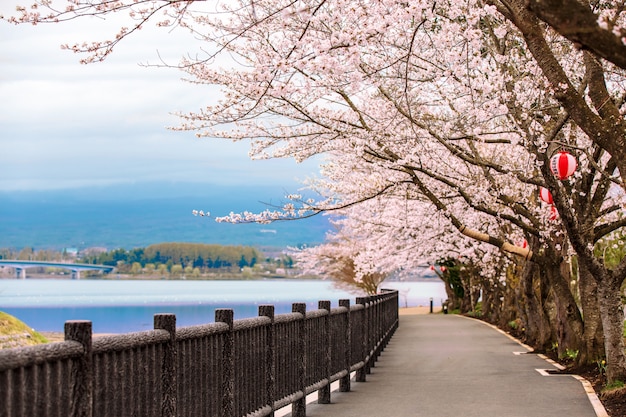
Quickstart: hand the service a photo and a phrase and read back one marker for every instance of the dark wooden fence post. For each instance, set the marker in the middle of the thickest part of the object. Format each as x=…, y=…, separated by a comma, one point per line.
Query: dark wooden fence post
x=371, y=328
x=344, y=383
x=270, y=368
x=169, y=368
x=82, y=382
x=377, y=325
x=362, y=371
x=226, y=315
x=298, y=408
x=323, y=395
x=391, y=313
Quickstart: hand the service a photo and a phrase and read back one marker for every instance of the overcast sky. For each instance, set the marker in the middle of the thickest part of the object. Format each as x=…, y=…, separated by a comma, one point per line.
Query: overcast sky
x=65, y=125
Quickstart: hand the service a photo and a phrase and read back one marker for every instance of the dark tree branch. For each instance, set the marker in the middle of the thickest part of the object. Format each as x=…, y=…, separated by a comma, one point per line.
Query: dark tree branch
x=577, y=22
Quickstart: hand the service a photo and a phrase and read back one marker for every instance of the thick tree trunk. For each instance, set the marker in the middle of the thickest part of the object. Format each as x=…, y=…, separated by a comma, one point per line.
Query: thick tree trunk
x=506, y=305
x=466, y=305
x=494, y=303
x=465, y=280
x=593, y=337
x=454, y=302
x=611, y=309
x=569, y=324
x=537, y=327
x=488, y=301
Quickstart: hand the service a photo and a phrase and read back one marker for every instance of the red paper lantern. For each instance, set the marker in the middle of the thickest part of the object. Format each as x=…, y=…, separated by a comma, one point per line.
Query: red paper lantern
x=554, y=214
x=563, y=165
x=545, y=195
x=432, y=267
x=443, y=268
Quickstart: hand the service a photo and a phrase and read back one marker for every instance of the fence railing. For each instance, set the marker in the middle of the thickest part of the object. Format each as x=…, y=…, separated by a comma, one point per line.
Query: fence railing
x=230, y=368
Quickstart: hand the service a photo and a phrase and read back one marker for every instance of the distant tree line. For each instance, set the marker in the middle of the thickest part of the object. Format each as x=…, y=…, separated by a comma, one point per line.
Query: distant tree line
x=164, y=259
x=30, y=254
x=194, y=255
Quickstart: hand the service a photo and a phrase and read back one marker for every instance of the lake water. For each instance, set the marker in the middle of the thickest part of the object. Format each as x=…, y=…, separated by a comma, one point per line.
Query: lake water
x=127, y=306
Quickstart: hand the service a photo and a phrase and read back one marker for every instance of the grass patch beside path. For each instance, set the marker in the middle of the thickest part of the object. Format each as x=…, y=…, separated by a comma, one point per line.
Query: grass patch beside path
x=15, y=333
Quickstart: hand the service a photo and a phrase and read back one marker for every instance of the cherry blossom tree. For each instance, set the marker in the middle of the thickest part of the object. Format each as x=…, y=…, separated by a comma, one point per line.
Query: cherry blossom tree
x=453, y=108
x=339, y=260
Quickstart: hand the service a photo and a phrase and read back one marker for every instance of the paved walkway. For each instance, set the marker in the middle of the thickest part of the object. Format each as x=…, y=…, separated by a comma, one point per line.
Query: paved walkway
x=450, y=366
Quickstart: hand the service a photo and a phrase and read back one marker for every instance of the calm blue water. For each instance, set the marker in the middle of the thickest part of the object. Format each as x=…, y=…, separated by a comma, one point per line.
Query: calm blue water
x=128, y=306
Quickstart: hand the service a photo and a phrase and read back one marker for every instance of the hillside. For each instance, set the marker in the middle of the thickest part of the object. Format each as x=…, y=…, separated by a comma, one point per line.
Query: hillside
x=120, y=218
x=14, y=333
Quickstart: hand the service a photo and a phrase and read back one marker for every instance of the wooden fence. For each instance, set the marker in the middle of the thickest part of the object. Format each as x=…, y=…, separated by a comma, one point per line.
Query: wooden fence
x=230, y=368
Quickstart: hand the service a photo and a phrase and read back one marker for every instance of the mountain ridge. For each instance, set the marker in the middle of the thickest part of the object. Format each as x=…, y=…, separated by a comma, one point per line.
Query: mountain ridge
x=136, y=216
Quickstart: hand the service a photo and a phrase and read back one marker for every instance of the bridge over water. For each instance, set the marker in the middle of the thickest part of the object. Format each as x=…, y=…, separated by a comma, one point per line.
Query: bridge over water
x=21, y=267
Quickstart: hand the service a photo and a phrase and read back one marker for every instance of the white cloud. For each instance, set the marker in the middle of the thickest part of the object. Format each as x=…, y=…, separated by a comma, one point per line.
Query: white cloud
x=64, y=124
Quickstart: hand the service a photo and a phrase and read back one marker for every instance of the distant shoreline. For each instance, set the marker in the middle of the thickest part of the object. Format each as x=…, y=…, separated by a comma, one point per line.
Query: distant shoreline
x=209, y=277
x=145, y=277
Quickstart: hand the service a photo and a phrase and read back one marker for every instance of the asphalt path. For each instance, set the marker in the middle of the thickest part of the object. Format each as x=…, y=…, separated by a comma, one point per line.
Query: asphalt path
x=449, y=366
